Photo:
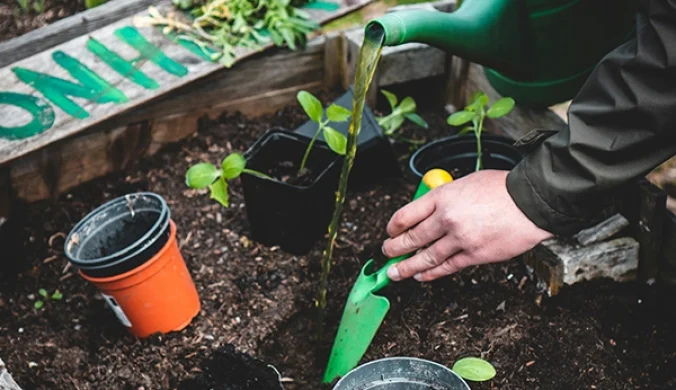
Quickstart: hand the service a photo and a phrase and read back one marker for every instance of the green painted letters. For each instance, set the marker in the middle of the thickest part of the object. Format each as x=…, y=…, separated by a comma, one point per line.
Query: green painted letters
x=132, y=37
x=40, y=110
x=58, y=90
x=120, y=65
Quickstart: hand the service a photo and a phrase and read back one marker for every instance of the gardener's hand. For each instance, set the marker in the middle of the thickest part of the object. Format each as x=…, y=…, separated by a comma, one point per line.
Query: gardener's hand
x=470, y=221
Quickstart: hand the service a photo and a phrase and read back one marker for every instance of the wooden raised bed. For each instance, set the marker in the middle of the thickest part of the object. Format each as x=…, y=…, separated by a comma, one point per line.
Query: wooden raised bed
x=261, y=84
x=111, y=136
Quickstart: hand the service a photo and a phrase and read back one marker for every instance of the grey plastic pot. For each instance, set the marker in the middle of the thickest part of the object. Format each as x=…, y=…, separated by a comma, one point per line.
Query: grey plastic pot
x=119, y=235
x=401, y=373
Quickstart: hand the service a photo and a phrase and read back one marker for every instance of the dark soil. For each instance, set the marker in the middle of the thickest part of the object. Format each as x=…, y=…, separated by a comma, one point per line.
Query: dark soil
x=287, y=172
x=14, y=21
x=595, y=335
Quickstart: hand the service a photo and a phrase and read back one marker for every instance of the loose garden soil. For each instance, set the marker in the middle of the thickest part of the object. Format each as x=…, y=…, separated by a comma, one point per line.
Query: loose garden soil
x=257, y=301
x=15, y=21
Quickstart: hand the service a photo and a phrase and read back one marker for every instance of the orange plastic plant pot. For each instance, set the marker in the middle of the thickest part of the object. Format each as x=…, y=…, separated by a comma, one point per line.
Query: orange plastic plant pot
x=158, y=296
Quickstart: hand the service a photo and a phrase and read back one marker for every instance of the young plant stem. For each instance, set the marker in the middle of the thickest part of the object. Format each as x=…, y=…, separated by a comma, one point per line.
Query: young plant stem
x=477, y=133
x=309, y=147
x=256, y=173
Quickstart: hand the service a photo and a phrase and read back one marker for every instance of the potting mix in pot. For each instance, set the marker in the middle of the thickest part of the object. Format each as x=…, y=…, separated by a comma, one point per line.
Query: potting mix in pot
x=248, y=257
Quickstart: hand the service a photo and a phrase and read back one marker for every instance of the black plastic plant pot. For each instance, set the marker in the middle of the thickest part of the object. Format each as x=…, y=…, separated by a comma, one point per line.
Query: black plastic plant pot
x=375, y=159
x=280, y=213
x=457, y=155
x=119, y=235
x=402, y=373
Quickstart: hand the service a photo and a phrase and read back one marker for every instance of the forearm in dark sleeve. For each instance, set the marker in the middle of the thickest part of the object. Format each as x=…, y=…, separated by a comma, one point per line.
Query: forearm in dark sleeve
x=621, y=125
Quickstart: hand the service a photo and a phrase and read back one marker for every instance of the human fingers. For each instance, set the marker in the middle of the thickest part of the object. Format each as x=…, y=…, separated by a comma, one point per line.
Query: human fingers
x=411, y=214
x=425, y=259
x=451, y=265
x=424, y=233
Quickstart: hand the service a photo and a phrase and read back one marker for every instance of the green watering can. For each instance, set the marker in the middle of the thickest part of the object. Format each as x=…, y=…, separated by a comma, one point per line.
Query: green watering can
x=538, y=52
x=364, y=310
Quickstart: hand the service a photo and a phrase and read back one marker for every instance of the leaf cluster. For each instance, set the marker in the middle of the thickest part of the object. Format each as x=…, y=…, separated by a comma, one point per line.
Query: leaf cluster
x=40, y=303
x=207, y=175
x=220, y=27
x=333, y=114
x=406, y=109
x=476, y=112
x=37, y=5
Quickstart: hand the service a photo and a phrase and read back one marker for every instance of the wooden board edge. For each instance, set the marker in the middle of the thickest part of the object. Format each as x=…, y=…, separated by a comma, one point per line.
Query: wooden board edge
x=6, y=380
x=41, y=142
x=65, y=29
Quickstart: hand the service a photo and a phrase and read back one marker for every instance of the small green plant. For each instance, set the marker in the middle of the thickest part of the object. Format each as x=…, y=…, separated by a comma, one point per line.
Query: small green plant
x=40, y=303
x=334, y=113
x=474, y=369
x=23, y=4
x=206, y=175
x=39, y=6
x=476, y=112
x=93, y=3
x=392, y=122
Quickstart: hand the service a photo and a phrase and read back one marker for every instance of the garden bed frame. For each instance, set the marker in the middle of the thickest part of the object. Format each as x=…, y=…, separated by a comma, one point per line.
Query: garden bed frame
x=261, y=84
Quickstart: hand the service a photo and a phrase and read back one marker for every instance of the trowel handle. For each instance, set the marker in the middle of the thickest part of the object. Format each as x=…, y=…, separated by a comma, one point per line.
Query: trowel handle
x=432, y=179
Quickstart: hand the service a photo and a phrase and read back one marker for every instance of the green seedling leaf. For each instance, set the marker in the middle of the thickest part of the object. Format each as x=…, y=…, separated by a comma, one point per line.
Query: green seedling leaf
x=394, y=124
x=460, y=118
x=201, y=175
x=391, y=98
x=42, y=292
x=336, y=113
x=479, y=98
x=57, y=295
x=219, y=192
x=336, y=141
x=474, y=369
x=38, y=304
x=465, y=130
x=417, y=119
x=232, y=166
x=407, y=105
x=500, y=108
x=311, y=105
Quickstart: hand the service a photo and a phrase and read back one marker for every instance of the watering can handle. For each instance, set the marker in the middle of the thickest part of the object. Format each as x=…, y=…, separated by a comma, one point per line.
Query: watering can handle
x=432, y=179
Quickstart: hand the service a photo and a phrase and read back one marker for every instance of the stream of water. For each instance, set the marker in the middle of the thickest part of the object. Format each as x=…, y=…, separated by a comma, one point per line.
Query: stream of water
x=369, y=56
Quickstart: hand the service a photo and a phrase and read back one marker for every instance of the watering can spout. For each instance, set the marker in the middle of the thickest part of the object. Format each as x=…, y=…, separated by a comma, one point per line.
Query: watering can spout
x=487, y=32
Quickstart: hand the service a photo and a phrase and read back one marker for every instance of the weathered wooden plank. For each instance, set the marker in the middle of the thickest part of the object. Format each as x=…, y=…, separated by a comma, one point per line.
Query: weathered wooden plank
x=68, y=28
x=602, y=231
x=559, y=262
x=69, y=163
x=149, y=64
x=261, y=85
x=275, y=69
x=6, y=380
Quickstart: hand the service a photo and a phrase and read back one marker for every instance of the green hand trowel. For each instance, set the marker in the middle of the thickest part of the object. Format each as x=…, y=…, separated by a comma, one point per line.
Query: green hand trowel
x=364, y=310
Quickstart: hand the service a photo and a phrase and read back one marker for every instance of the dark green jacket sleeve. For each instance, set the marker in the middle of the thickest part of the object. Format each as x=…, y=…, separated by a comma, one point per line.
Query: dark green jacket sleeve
x=621, y=125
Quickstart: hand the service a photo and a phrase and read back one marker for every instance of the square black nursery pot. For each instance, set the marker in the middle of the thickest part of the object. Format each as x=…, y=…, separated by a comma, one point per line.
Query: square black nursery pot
x=290, y=216
x=375, y=159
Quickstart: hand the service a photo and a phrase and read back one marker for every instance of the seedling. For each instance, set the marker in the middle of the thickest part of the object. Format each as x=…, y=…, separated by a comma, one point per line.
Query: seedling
x=476, y=112
x=334, y=113
x=40, y=303
x=206, y=175
x=474, y=369
x=392, y=122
